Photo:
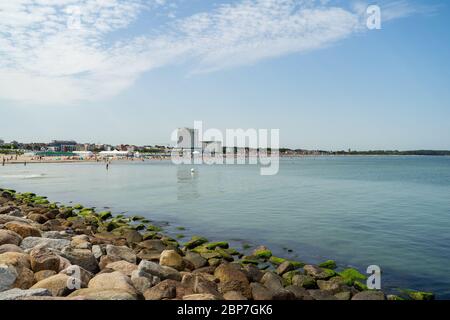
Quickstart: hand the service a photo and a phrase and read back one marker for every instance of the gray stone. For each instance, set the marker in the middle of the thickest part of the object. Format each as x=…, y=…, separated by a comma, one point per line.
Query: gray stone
x=369, y=295
x=272, y=281
x=16, y=293
x=81, y=257
x=161, y=272
x=10, y=248
x=97, y=251
x=8, y=276
x=196, y=259
x=57, y=244
x=122, y=252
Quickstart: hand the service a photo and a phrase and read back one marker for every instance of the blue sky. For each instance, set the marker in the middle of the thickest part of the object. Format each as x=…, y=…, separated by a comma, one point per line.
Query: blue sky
x=132, y=71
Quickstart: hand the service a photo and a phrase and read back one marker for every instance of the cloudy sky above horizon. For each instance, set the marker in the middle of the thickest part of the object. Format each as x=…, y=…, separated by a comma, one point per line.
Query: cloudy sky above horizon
x=133, y=70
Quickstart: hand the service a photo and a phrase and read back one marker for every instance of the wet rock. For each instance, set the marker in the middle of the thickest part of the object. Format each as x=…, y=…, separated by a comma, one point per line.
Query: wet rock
x=81, y=257
x=162, y=272
x=122, y=266
x=195, y=242
x=171, y=258
x=329, y=264
x=318, y=273
x=16, y=293
x=8, y=276
x=232, y=279
x=57, y=244
x=369, y=295
x=262, y=252
x=114, y=280
x=122, y=252
x=9, y=237
x=44, y=259
x=420, y=295
x=10, y=248
x=23, y=229
x=56, y=284
x=43, y=274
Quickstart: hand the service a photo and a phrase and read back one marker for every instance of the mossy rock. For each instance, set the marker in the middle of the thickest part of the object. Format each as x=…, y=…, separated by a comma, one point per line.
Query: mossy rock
x=276, y=260
x=180, y=228
x=287, y=277
x=249, y=261
x=351, y=275
x=195, y=242
x=220, y=244
x=149, y=235
x=180, y=236
x=78, y=206
x=394, y=297
x=153, y=228
x=246, y=246
x=360, y=286
x=420, y=295
x=170, y=241
x=225, y=255
x=329, y=264
x=297, y=264
x=105, y=215
x=137, y=218
x=139, y=227
x=263, y=253
x=232, y=251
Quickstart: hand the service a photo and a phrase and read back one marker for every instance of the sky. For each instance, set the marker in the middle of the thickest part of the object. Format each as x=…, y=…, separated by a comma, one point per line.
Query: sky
x=132, y=71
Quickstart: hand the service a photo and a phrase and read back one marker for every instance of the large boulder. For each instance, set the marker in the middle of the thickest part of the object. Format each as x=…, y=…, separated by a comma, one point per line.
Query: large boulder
x=122, y=266
x=25, y=279
x=44, y=259
x=8, y=276
x=232, y=279
x=57, y=285
x=10, y=248
x=23, y=229
x=16, y=259
x=81, y=276
x=162, y=272
x=57, y=244
x=195, y=259
x=171, y=258
x=121, y=252
x=9, y=237
x=81, y=257
x=43, y=274
x=114, y=281
x=272, y=281
x=16, y=293
x=108, y=294
x=369, y=295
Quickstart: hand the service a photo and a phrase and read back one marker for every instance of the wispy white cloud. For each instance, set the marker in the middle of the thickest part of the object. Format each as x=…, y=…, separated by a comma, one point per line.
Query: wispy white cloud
x=46, y=59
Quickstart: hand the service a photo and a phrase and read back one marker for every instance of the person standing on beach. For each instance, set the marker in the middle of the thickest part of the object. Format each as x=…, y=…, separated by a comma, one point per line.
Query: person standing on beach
x=25, y=163
x=107, y=166
x=3, y=161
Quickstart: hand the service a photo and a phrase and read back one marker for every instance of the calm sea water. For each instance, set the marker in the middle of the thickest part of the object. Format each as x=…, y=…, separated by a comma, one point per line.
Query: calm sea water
x=390, y=211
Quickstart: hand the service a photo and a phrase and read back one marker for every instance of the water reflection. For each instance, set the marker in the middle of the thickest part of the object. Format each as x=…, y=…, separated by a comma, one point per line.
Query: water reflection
x=187, y=183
